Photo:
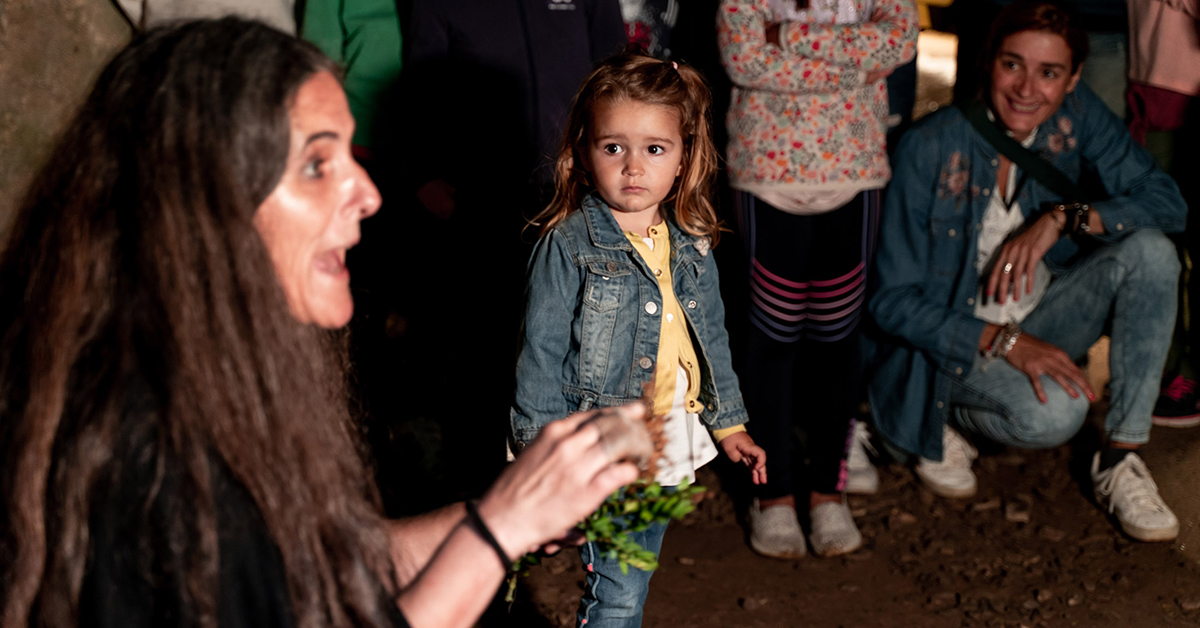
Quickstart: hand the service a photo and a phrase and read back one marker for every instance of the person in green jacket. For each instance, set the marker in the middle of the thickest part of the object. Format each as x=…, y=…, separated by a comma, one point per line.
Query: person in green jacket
x=363, y=36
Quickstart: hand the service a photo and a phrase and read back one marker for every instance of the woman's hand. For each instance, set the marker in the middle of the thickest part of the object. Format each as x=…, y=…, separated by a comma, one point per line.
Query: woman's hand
x=1019, y=257
x=1036, y=357
x=562, y=476
x=740, y=447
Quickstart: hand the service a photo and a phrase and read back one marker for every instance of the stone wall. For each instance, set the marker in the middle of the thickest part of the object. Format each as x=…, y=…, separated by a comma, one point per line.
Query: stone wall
x=50, y=52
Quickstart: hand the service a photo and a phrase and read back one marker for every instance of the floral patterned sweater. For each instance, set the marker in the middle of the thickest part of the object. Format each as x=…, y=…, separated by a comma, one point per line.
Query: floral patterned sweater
x=803, y=122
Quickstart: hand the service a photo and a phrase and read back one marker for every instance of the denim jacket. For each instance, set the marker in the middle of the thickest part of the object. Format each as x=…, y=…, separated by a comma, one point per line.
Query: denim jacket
x=592, y=322
x=925, y=276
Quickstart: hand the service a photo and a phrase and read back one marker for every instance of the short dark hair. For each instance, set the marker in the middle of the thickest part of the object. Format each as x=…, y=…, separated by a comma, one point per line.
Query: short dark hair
x=1033, y=15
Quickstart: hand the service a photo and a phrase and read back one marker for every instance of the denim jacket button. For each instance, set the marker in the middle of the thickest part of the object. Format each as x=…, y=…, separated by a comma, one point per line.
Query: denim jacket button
x=691, y=305
x=658, y=272
x=612, y=267
x=651, y=307
x=645, y=362
x=520, y=445
x=711, y=407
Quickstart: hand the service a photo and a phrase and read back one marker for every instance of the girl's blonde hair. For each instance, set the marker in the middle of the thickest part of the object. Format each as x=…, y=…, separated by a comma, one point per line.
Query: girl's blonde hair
x=647, y=80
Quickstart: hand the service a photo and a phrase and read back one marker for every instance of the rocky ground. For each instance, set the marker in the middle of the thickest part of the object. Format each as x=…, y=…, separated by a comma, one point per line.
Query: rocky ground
x=1031, y=549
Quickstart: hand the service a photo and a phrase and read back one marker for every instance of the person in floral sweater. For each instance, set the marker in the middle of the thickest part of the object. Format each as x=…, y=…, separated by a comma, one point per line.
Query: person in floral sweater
x=807, y=158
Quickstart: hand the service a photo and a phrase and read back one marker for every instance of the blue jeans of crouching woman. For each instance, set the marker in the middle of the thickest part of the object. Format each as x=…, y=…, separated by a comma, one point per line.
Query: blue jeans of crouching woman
x=612, y=599
x=1128, y=288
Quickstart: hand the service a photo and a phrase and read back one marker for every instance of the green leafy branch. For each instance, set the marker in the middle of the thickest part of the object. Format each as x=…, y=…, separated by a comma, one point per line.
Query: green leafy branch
x=632, y=508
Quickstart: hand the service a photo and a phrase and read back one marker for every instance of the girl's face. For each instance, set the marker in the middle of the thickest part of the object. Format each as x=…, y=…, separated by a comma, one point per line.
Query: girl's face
x=634, y=154
x=312, y=216
x=1030, y=78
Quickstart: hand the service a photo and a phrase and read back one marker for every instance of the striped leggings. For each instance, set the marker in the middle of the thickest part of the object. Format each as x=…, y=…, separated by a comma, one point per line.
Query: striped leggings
x=807, y=295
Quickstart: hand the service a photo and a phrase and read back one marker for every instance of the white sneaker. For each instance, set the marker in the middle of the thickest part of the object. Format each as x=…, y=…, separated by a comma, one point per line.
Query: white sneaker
x=833, y=530
x=775, y=532
x=952, y=477
x=1129, y=493
x=862, y=478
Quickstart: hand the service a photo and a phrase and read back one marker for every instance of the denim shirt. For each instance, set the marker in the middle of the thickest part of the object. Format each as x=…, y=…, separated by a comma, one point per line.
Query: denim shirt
x=925, y=277
x=592, y=322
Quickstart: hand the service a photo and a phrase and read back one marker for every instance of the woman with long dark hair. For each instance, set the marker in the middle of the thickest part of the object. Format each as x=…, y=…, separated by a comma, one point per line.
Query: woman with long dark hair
x=174, y=431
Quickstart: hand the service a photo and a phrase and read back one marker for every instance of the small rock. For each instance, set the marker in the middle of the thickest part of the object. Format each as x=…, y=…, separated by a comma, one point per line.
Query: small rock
x=1075, y=600
x=984, y=506
x=1018, y=510
x=685, y=560
x=1189, y=604
x=1054, y=535
x=943, y=600
x=1090, y=587
x=1032, y=560
x=858, y=513
x=1043, y=595
x=556, y=565
x=900, y=518
x=1030, y=605
x=1011, y=460
x=752, y=603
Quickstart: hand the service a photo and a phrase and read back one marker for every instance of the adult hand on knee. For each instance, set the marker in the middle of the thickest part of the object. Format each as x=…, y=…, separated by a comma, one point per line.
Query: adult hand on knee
x=1036, y=357
x=562, y=477
x=1019, y=257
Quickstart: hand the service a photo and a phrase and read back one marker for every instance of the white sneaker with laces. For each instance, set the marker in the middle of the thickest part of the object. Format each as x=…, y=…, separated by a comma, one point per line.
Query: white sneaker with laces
x=775, y=532
x=952, y=477
x=1130, y=494
x=833, y=530
x=862, y=478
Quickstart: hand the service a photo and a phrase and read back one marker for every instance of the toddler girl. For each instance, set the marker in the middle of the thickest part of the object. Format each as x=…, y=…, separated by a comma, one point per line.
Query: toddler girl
x=622, y=292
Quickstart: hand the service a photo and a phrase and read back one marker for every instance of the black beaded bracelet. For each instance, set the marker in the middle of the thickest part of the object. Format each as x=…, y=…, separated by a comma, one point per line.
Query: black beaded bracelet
x=486, y=534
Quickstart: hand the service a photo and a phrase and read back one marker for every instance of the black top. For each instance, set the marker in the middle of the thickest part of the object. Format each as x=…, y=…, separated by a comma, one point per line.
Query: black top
x=492, y=80
x=133, y=579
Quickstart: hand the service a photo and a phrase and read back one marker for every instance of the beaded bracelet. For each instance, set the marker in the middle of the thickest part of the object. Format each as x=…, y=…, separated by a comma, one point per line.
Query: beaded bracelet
x=1078, y=217
x=1004, y=341
x=486, y=534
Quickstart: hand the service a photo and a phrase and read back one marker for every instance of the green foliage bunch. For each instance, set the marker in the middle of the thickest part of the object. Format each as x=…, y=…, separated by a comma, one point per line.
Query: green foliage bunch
x=632, y=508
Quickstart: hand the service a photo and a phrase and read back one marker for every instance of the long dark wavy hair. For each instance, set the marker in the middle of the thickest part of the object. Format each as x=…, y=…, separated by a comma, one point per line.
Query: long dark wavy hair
x=635, y=76
x=134, y=258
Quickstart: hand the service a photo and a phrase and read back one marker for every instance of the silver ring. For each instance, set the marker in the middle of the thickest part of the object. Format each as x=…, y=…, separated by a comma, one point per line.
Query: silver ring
x=1008, y=268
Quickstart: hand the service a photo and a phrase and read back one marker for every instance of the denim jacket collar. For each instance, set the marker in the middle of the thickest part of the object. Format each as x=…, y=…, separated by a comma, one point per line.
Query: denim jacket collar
x=605, y=233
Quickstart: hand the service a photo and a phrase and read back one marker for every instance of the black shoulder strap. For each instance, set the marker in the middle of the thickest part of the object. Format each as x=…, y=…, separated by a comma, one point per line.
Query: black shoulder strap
x=1036, y=167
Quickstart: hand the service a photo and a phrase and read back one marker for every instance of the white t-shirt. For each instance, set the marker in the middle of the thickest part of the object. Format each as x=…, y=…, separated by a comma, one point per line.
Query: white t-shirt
x=688, y=445
x=999, y=222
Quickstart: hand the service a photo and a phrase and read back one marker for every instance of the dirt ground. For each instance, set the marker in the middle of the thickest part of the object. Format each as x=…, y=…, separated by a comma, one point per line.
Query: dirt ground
x=1031, y=549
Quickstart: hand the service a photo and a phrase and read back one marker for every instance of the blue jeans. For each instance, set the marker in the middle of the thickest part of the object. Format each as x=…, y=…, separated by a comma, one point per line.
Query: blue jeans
x=1129, y=287
x=612, y=599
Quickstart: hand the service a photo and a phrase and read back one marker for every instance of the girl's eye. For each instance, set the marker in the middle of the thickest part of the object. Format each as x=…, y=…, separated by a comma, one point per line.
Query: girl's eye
x=612, y=149
x=1050, y=74
x=312, y=169
x=655, y=149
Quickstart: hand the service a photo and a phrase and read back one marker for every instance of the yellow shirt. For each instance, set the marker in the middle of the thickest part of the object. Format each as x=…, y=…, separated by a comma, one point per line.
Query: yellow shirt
x=675, y=348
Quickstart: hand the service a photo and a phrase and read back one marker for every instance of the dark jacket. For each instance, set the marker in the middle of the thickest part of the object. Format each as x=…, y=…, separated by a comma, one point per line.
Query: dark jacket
x=496, y=78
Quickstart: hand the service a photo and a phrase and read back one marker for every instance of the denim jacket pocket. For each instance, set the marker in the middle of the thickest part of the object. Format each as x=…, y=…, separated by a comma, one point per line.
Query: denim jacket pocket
x=603, y=283
x=947, y=244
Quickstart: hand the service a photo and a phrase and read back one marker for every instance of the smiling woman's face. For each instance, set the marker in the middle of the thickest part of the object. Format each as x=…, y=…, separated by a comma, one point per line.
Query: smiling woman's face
x=1030, y=78
x=312, y=216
